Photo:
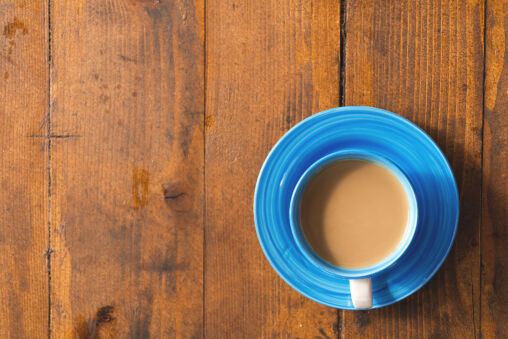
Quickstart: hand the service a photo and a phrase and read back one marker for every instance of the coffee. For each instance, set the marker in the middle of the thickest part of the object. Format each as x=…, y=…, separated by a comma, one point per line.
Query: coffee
x=354, y=213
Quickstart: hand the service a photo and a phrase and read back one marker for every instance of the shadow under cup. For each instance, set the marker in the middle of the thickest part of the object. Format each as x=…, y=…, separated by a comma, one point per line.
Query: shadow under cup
x=357, y=276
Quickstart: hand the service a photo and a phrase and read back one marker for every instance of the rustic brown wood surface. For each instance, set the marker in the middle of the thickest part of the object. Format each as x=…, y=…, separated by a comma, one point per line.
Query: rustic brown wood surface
x=494, y=236
x=134, y=131
x=24, y=78
x=424, y=61
x=269, y=65
x=127, y=107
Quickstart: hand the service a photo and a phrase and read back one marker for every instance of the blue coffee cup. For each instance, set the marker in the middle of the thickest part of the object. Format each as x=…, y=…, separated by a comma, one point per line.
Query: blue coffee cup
x=359, y=279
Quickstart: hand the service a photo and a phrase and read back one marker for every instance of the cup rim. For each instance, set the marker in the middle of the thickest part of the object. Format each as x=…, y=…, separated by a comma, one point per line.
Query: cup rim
x=294, y=215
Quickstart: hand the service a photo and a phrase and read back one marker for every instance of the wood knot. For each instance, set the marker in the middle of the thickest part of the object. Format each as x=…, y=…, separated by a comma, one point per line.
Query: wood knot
x=103, y=325
x=175, y=196
x=104, y=315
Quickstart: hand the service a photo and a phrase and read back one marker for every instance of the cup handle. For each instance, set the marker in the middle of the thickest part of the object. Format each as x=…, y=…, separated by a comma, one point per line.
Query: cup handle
x=361, y=292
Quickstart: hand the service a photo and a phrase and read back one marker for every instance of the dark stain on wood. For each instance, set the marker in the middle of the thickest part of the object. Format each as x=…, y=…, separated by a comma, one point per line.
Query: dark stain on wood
x=141, y=317
x=10, y=49
x=81, y=328
x=164, y=263
x=142, y=330
x=126, y=58
x=153, y=8
x=185, y=136
x=153, y=12
x=140, y=187
x=362, y=319
x=198, y=332
x=10, y=28
x=288, y=114
x=6, y=75
x=14, y=305
x=491, y=300
x=323, y=333
x=437, y=335
x=119, y=233
x=169, y=135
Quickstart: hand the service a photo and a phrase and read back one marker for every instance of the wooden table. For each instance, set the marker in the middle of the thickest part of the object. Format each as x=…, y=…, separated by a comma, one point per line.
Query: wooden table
x=134, y=130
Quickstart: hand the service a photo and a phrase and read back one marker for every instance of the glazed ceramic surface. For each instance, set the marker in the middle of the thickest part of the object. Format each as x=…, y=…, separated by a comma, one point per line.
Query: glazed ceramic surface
x=380, y=132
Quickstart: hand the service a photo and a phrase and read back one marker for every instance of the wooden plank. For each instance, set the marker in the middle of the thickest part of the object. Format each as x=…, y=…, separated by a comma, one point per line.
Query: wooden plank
x=424, y=60
x=127, y=110
x=494, y=236
x=23, y=164
x=269, y=65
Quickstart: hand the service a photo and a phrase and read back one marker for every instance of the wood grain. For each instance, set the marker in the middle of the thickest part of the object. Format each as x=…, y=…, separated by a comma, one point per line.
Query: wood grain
x=23, y=165
x=494, y=236
x=269, y=65
x=424, y=61
x=127, y=109
x=107, y=145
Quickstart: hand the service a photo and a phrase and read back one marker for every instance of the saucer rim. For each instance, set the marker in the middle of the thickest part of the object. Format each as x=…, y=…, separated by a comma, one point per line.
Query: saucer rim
x=368, y=109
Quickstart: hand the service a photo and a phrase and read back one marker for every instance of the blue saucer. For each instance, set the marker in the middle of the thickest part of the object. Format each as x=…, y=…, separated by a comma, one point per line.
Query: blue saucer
x=377, y=131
